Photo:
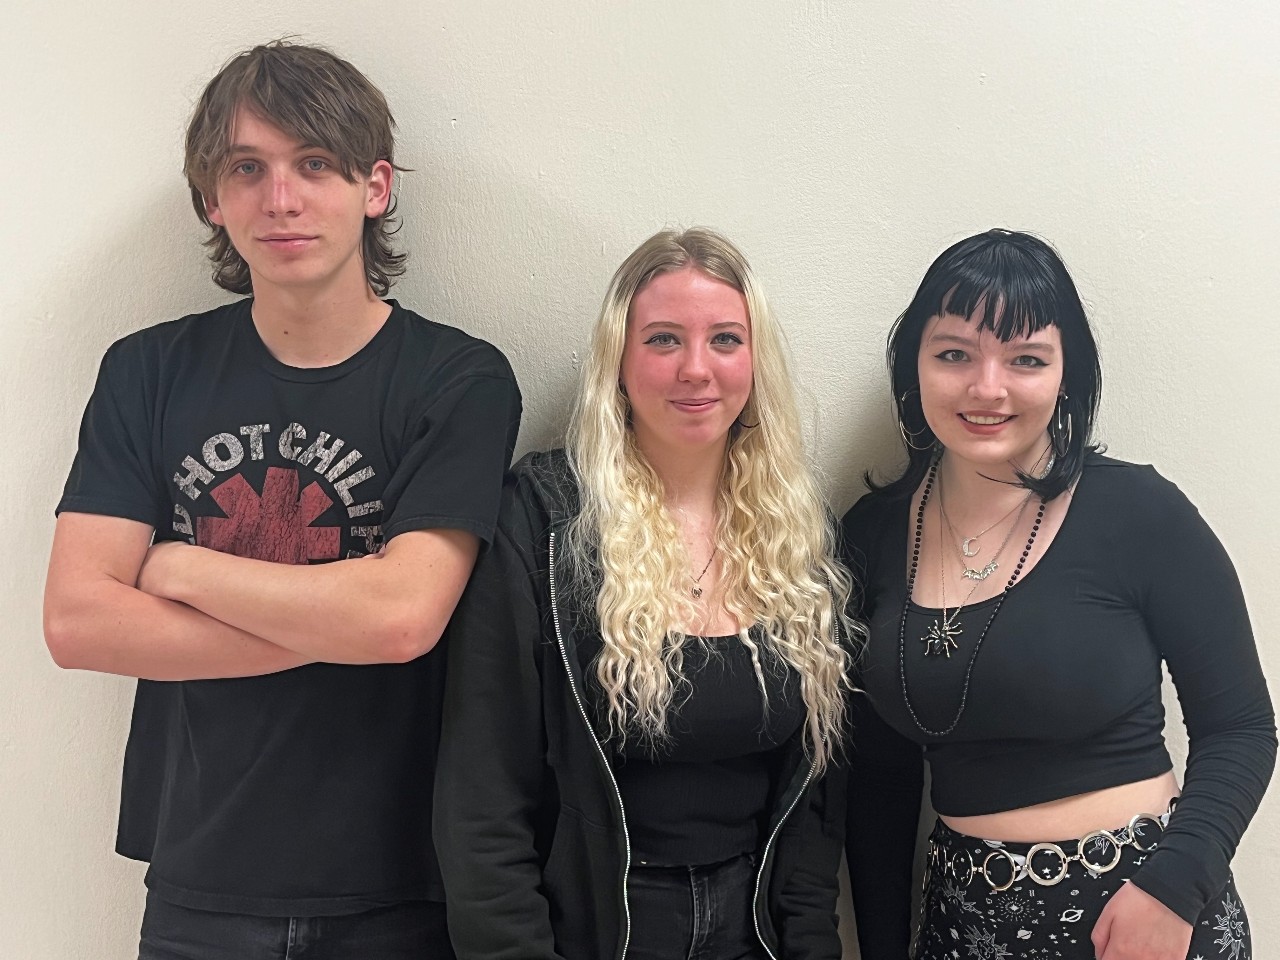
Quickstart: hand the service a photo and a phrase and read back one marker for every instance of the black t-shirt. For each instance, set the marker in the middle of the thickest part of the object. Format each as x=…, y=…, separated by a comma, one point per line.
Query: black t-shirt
x=305, y=792
x=1064, y=695
x=702, y=796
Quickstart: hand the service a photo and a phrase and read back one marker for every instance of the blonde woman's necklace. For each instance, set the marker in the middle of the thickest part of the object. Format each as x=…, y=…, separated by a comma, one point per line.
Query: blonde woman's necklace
x=697, y=590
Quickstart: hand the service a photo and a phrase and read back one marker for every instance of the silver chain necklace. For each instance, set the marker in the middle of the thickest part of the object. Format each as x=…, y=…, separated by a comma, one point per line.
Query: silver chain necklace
x=969, y=546
x=942, y=633
x=696, y=589
x=962, y=549
x=906, y=606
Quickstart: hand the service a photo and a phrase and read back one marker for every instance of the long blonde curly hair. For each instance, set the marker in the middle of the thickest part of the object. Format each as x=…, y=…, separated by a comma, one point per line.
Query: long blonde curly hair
x=774, y=534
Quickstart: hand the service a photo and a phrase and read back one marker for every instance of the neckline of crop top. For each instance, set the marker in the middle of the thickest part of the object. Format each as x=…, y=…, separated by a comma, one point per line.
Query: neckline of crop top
x=1067, y=526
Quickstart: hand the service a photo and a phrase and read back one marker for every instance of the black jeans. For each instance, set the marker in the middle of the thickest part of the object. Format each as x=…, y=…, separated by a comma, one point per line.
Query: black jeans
x=694, y=913
x=405, y=931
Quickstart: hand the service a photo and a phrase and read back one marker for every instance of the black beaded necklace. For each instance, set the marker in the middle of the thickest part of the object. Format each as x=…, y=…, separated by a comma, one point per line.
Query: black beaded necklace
x=906, y=604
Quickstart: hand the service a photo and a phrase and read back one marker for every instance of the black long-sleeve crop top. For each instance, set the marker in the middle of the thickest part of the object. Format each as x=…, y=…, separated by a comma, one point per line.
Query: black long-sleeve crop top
x=1064, y=695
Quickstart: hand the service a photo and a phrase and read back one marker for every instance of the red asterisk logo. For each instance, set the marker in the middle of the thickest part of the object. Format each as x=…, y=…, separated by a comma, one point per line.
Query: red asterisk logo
x=273, y=525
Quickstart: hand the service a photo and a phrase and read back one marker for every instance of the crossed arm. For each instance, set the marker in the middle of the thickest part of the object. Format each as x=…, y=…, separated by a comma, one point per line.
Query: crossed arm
x=116, y=604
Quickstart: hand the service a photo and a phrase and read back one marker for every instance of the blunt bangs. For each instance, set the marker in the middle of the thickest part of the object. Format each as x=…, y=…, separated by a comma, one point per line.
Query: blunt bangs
x=1008, y=304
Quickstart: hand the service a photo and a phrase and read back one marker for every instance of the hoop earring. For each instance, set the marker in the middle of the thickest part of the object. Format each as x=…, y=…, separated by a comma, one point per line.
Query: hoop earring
x=908, y=435
x=739, y=427
x=1061, y=427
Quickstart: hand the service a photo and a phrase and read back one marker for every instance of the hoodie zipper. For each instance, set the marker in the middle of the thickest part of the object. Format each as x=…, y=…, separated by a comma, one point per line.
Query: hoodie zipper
x=582, y=710
x=764, y=859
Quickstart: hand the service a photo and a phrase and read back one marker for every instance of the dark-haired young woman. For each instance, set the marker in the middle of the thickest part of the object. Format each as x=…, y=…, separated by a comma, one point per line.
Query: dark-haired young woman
x=1021, y=592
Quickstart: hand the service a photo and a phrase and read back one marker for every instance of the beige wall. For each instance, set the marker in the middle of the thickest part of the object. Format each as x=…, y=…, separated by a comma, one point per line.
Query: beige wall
x=843, y=144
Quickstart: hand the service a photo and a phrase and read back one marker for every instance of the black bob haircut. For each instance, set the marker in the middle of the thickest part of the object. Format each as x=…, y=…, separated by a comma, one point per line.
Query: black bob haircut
x=1020, y=285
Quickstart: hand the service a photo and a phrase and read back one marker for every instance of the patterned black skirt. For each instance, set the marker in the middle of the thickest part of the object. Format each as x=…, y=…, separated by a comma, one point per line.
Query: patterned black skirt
x=965, y=917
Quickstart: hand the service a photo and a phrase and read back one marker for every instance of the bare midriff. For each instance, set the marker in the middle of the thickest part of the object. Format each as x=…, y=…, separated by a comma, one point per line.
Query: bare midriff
x=1074, y=816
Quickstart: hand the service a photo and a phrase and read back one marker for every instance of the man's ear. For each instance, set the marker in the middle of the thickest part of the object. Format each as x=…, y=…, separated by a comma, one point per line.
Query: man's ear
x=378, y=184
x=211, y=209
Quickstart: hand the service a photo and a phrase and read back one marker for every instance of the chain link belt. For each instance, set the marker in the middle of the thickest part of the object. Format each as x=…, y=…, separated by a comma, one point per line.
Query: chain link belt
x=960, y=865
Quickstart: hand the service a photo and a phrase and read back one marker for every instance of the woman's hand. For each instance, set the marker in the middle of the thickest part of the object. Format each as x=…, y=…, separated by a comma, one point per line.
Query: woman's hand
x=1137, y=926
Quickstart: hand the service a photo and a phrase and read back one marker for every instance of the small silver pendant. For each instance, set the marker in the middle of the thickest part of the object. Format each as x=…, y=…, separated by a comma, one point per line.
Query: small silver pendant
x=988, y=570
x=967, y=547
x=941, y=637
x=697, y=592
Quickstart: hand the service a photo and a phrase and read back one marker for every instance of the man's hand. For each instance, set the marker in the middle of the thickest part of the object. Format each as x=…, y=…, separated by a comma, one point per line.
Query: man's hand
x=1137, y=926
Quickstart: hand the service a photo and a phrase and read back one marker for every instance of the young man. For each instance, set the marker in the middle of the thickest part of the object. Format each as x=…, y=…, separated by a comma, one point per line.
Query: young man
x=318, y=467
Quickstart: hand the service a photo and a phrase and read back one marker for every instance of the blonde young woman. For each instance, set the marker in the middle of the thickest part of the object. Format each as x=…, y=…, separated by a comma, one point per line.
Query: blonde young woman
x=646, y=672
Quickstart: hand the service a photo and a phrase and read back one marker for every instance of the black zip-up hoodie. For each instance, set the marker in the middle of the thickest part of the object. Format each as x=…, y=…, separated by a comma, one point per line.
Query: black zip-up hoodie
x=529, y=825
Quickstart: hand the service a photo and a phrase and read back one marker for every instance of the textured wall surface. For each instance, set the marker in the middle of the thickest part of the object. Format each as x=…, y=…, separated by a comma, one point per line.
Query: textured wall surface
x=843, y=144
